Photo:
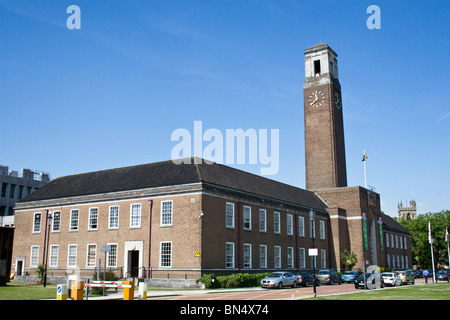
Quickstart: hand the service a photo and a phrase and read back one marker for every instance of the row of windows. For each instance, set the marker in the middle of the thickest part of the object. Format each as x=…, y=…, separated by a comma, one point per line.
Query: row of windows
x=278, y=256
x=400, y=241
x=262, y=220
x=93, y=220
x=91, y=255
x=396, y=261
x=16, y=191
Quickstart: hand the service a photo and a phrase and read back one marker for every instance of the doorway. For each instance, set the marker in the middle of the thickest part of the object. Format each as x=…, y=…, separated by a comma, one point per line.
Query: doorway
x=133, y=259
x=133, y=263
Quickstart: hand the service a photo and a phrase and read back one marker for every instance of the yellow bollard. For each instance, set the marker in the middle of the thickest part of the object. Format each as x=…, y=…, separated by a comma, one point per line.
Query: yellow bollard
x=77, y=290
x=61, y=292
x=128, y=293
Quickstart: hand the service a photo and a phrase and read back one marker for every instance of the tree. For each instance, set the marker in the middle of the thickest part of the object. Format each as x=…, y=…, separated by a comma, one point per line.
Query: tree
x=420, y=247
x=348, y=259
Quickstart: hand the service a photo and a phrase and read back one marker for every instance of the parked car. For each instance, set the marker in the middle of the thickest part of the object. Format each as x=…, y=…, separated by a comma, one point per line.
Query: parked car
x=442, y=275
x=406, y=276
x=279, y=279
x=391, y=279
x=373, y=280
x=328, y=276
x=349, y=276
x=306, y=279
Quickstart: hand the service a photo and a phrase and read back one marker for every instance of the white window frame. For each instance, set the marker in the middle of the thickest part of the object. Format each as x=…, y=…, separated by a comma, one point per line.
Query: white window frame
x=165, y=262
x=71, y=257
x=54, y=255
x=229, y=215
x=290, y=257
x=93, y=217
x=302, y=258
x=301, y=226
x=247, y=251
x=323, y=258
x=111, y=256
x=229, y=246
x=113, y=217
x=289, y=225
x=277, y=257
x=34, y=256
x=262, y=256
x=74, y=220
x=262, y=220
x=276, y=222
x=135, y=215
x=166, y=217
x=94, y=259
x=322, y=229
x=247, y=218
x=56, y=221
x=37, y=221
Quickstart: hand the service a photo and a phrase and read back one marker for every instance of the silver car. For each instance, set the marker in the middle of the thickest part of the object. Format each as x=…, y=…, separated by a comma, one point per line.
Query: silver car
x=279, y=279
x=391, y=279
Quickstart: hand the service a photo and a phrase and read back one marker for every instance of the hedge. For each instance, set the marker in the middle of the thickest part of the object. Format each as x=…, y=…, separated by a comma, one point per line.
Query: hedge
x=237, y=280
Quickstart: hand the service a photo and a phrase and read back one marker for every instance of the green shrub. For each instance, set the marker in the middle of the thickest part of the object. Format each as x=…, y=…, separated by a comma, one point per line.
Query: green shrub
x=236, y=280
x=110, y=276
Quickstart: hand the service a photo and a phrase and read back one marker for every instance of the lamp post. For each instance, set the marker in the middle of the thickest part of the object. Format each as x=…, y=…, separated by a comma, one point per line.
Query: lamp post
x=312, y=216
x=49, y=223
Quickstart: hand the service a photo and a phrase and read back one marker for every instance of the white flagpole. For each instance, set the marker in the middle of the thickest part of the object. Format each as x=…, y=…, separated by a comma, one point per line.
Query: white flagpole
x=430, y=240
x=365, y=175
x=448, y=250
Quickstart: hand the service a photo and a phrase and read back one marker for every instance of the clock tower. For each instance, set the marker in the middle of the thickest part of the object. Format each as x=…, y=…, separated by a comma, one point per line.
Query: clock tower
x=324, y=128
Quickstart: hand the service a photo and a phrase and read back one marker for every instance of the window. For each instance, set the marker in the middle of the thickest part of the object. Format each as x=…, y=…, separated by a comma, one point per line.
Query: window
x=388, y=261
x=262, y=220
x=404, y=238
x=387, y=240
x=276, y=222
x=34, y=256
x=317, y=67
x=396, y=241
x=113, y=217
x=56, y=221
x=323, y=258
x=289, y=224
x=247, y=255
x=262, y=256
x=302, y=258
x=135, y=215
x=4, y=185
x=290, y=257
x=54, y=253
x=72, y=256
x=401, y=242
x=277, y=257
x=165, y=254
x=322, y=229
x=93, y=218
x=12, y=188
x=91, y=255
x=301, y=226
x=312, y=229
x=112, y=255
x=247, y=218
x=166, y=213
x=229, y=255
x=37, y=222
x=74, y=220
x=229, y=215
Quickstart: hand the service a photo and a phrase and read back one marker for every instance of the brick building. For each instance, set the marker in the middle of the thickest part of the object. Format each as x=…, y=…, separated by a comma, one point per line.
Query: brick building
x=164, y=220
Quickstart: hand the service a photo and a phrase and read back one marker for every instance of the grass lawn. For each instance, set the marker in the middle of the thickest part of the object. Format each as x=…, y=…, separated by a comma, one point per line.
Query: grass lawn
x=21, y=291
x=436, y=291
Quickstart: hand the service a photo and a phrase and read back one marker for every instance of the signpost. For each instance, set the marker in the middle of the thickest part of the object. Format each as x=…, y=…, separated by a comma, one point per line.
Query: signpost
x=104, y=249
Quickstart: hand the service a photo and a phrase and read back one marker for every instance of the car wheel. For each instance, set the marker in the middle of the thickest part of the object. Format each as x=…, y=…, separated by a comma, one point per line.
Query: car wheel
x=280, y=285
x=294, y=285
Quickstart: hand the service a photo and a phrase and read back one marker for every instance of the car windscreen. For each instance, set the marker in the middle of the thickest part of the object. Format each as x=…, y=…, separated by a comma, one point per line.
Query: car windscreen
x=275, y=275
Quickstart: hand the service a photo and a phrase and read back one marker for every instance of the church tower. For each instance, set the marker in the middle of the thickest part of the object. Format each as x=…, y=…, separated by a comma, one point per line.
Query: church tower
x=324, y=128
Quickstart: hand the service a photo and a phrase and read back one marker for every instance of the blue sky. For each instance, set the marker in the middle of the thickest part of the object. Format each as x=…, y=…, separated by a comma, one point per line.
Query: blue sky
x=111, y=94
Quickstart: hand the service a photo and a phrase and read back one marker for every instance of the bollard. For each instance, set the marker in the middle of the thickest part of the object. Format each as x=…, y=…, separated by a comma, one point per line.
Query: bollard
x=142, y=291
x=61, y=292
x=77, y=290
x=128, y=293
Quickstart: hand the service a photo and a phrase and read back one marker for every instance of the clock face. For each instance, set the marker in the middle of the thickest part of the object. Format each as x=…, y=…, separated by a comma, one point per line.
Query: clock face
x=337, y=100
x=316, y=98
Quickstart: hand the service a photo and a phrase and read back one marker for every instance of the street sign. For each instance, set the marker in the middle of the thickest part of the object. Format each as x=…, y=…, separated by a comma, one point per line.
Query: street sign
x=313, y=252
x=105, y=249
